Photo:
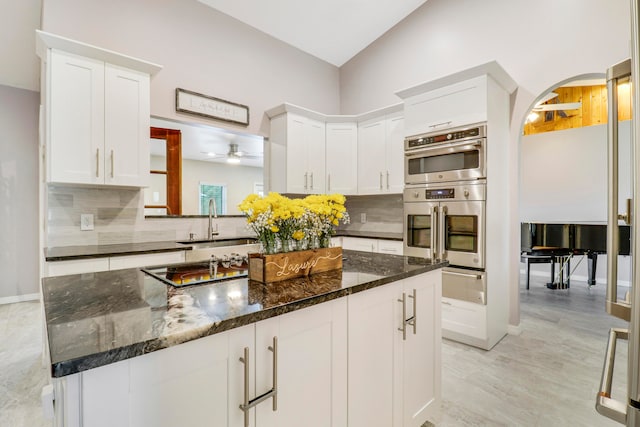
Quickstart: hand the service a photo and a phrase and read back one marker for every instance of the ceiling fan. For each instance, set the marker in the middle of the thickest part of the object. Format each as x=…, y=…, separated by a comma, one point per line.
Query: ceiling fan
x=555, y=106
x=234, y=155
x=542, y=107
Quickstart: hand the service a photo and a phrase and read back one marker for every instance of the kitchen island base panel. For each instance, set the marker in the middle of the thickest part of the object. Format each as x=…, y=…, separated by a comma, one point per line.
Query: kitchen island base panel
x=202, y=381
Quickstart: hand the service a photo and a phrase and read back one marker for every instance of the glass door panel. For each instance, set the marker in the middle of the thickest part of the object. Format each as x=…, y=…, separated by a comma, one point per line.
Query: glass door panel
x=419, y=231
x=461, y=233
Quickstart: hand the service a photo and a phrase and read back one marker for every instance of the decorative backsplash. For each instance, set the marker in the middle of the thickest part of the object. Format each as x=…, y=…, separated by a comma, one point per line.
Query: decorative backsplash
x=119, y=218
x=383, y=212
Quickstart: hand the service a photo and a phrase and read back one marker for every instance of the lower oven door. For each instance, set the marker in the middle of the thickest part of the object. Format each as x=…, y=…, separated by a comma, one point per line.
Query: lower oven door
x=463, y=284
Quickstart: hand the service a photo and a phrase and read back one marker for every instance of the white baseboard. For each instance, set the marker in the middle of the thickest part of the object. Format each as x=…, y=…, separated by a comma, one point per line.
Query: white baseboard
x=514, y=329
x=19, y=298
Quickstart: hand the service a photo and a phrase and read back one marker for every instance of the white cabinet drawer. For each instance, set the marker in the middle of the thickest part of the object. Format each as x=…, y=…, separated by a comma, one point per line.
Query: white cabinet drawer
x=360, y=244
x=132, y=261
x=62, y=268
x=464, y=318
x=393, y=247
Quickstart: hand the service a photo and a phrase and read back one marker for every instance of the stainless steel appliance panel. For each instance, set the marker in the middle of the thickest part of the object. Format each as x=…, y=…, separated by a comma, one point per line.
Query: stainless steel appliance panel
x=464, y=284
x=446, y=222
x=457, y=155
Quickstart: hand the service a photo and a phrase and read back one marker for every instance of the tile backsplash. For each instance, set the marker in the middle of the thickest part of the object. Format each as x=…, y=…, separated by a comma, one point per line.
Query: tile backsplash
x=383, y=213
x=119, y=218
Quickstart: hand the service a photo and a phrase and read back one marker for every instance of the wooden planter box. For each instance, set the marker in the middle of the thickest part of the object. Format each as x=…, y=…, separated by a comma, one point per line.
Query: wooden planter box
x=289, y=265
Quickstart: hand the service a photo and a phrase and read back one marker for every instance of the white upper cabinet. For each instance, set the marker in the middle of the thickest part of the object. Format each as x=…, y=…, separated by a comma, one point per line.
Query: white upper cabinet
x=311, y=152
x=127, y=121
x=97, y=108
x=454, y=105
x=75, y=115
x=380, y=155
x=342, y=158
x=303, y=140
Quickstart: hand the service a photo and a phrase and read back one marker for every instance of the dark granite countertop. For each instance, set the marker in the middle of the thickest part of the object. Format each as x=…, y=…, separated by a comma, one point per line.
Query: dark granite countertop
x=100, y=318
x=66, y=253
x=386, y=235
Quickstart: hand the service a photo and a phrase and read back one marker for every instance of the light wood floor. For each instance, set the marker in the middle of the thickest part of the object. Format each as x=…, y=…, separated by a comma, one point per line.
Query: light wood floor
x=547, y=376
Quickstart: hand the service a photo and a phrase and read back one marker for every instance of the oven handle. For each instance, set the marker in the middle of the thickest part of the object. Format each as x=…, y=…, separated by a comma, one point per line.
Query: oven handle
x=442, y=147
x=434, y=233
x=453, y=273
x=441, y=233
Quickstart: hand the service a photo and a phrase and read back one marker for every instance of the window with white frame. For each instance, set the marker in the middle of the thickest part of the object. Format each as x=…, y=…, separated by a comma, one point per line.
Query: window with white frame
x=217, y=192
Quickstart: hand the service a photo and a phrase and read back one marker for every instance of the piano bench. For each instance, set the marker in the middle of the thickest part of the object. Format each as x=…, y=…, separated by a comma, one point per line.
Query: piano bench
x=529, y=259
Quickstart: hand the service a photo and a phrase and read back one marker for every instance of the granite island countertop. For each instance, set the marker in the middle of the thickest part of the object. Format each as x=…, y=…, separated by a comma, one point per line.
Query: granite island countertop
x=100, y=318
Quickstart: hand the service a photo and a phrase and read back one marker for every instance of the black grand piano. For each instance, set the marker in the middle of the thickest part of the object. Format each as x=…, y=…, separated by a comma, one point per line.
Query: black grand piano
x=557, y=243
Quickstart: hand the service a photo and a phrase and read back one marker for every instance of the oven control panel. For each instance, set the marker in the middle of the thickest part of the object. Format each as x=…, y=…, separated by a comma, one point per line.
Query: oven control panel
x=451, y=136
x=440, y=193
x=454, y=192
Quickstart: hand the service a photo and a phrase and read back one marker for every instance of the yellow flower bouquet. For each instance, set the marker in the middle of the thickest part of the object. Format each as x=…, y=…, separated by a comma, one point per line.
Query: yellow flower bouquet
x=283, y=224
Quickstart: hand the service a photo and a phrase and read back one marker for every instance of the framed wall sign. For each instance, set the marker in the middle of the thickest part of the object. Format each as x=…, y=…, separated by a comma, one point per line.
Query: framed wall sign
x=211, y=107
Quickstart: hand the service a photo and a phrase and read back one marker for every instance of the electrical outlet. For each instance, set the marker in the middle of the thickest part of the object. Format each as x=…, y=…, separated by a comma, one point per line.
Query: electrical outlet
x=363, y=217
x=86, y=222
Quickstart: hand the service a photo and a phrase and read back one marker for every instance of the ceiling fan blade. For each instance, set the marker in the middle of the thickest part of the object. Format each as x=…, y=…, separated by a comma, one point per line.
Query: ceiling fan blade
x=556, y=107
x=546, y=98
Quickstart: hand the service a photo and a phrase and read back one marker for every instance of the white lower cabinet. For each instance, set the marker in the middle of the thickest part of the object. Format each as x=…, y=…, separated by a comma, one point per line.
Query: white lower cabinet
x=132, y=261
x=395, y=381
x=360, y=244
x=383, y=246
x=338, y=363
x=92, y=265
x=311, y=367
x=76, y=266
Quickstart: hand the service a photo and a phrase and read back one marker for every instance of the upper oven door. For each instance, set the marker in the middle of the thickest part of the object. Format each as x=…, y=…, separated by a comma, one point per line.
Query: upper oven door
x=455, y=161
x=462, y=233
x=420, y=229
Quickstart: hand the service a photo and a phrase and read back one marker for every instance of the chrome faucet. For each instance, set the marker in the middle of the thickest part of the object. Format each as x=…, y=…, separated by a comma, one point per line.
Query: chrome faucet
x=213, y=210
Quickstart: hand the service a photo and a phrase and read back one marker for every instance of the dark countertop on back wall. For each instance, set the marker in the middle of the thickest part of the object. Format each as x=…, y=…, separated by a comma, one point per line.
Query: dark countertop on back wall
x=385, y=235
x=66, y=253
x=100, y=318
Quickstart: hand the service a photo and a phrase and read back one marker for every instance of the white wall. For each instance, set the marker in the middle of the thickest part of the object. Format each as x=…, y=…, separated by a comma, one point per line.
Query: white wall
x=201, y=50
x=18, y=193
x=538, y=43
x=563, y=174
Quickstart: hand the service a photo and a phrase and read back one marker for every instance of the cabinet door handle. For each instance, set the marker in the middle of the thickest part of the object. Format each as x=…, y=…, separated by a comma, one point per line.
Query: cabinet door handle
x=387, y=180
x=381, y=180
x=312, y=180
x=403, y=329
x=97, y=162
x=413, y=320
x=440, y=124
x=305, y=180
x=328, y=182
x=112, y=163
x=272, y=393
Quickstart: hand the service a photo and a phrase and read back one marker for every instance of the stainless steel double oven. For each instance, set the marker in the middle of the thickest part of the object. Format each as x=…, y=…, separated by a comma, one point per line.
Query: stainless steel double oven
x=445, y=207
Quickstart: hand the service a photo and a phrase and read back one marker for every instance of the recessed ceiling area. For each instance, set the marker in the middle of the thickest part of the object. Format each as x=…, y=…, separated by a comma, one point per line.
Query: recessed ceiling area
x=332, y=30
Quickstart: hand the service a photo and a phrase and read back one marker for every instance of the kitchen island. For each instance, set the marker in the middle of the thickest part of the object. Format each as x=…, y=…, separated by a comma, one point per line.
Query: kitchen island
x=127, y=349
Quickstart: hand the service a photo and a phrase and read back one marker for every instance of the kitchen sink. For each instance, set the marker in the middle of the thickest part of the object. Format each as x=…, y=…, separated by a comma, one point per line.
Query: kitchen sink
x=217, y=243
